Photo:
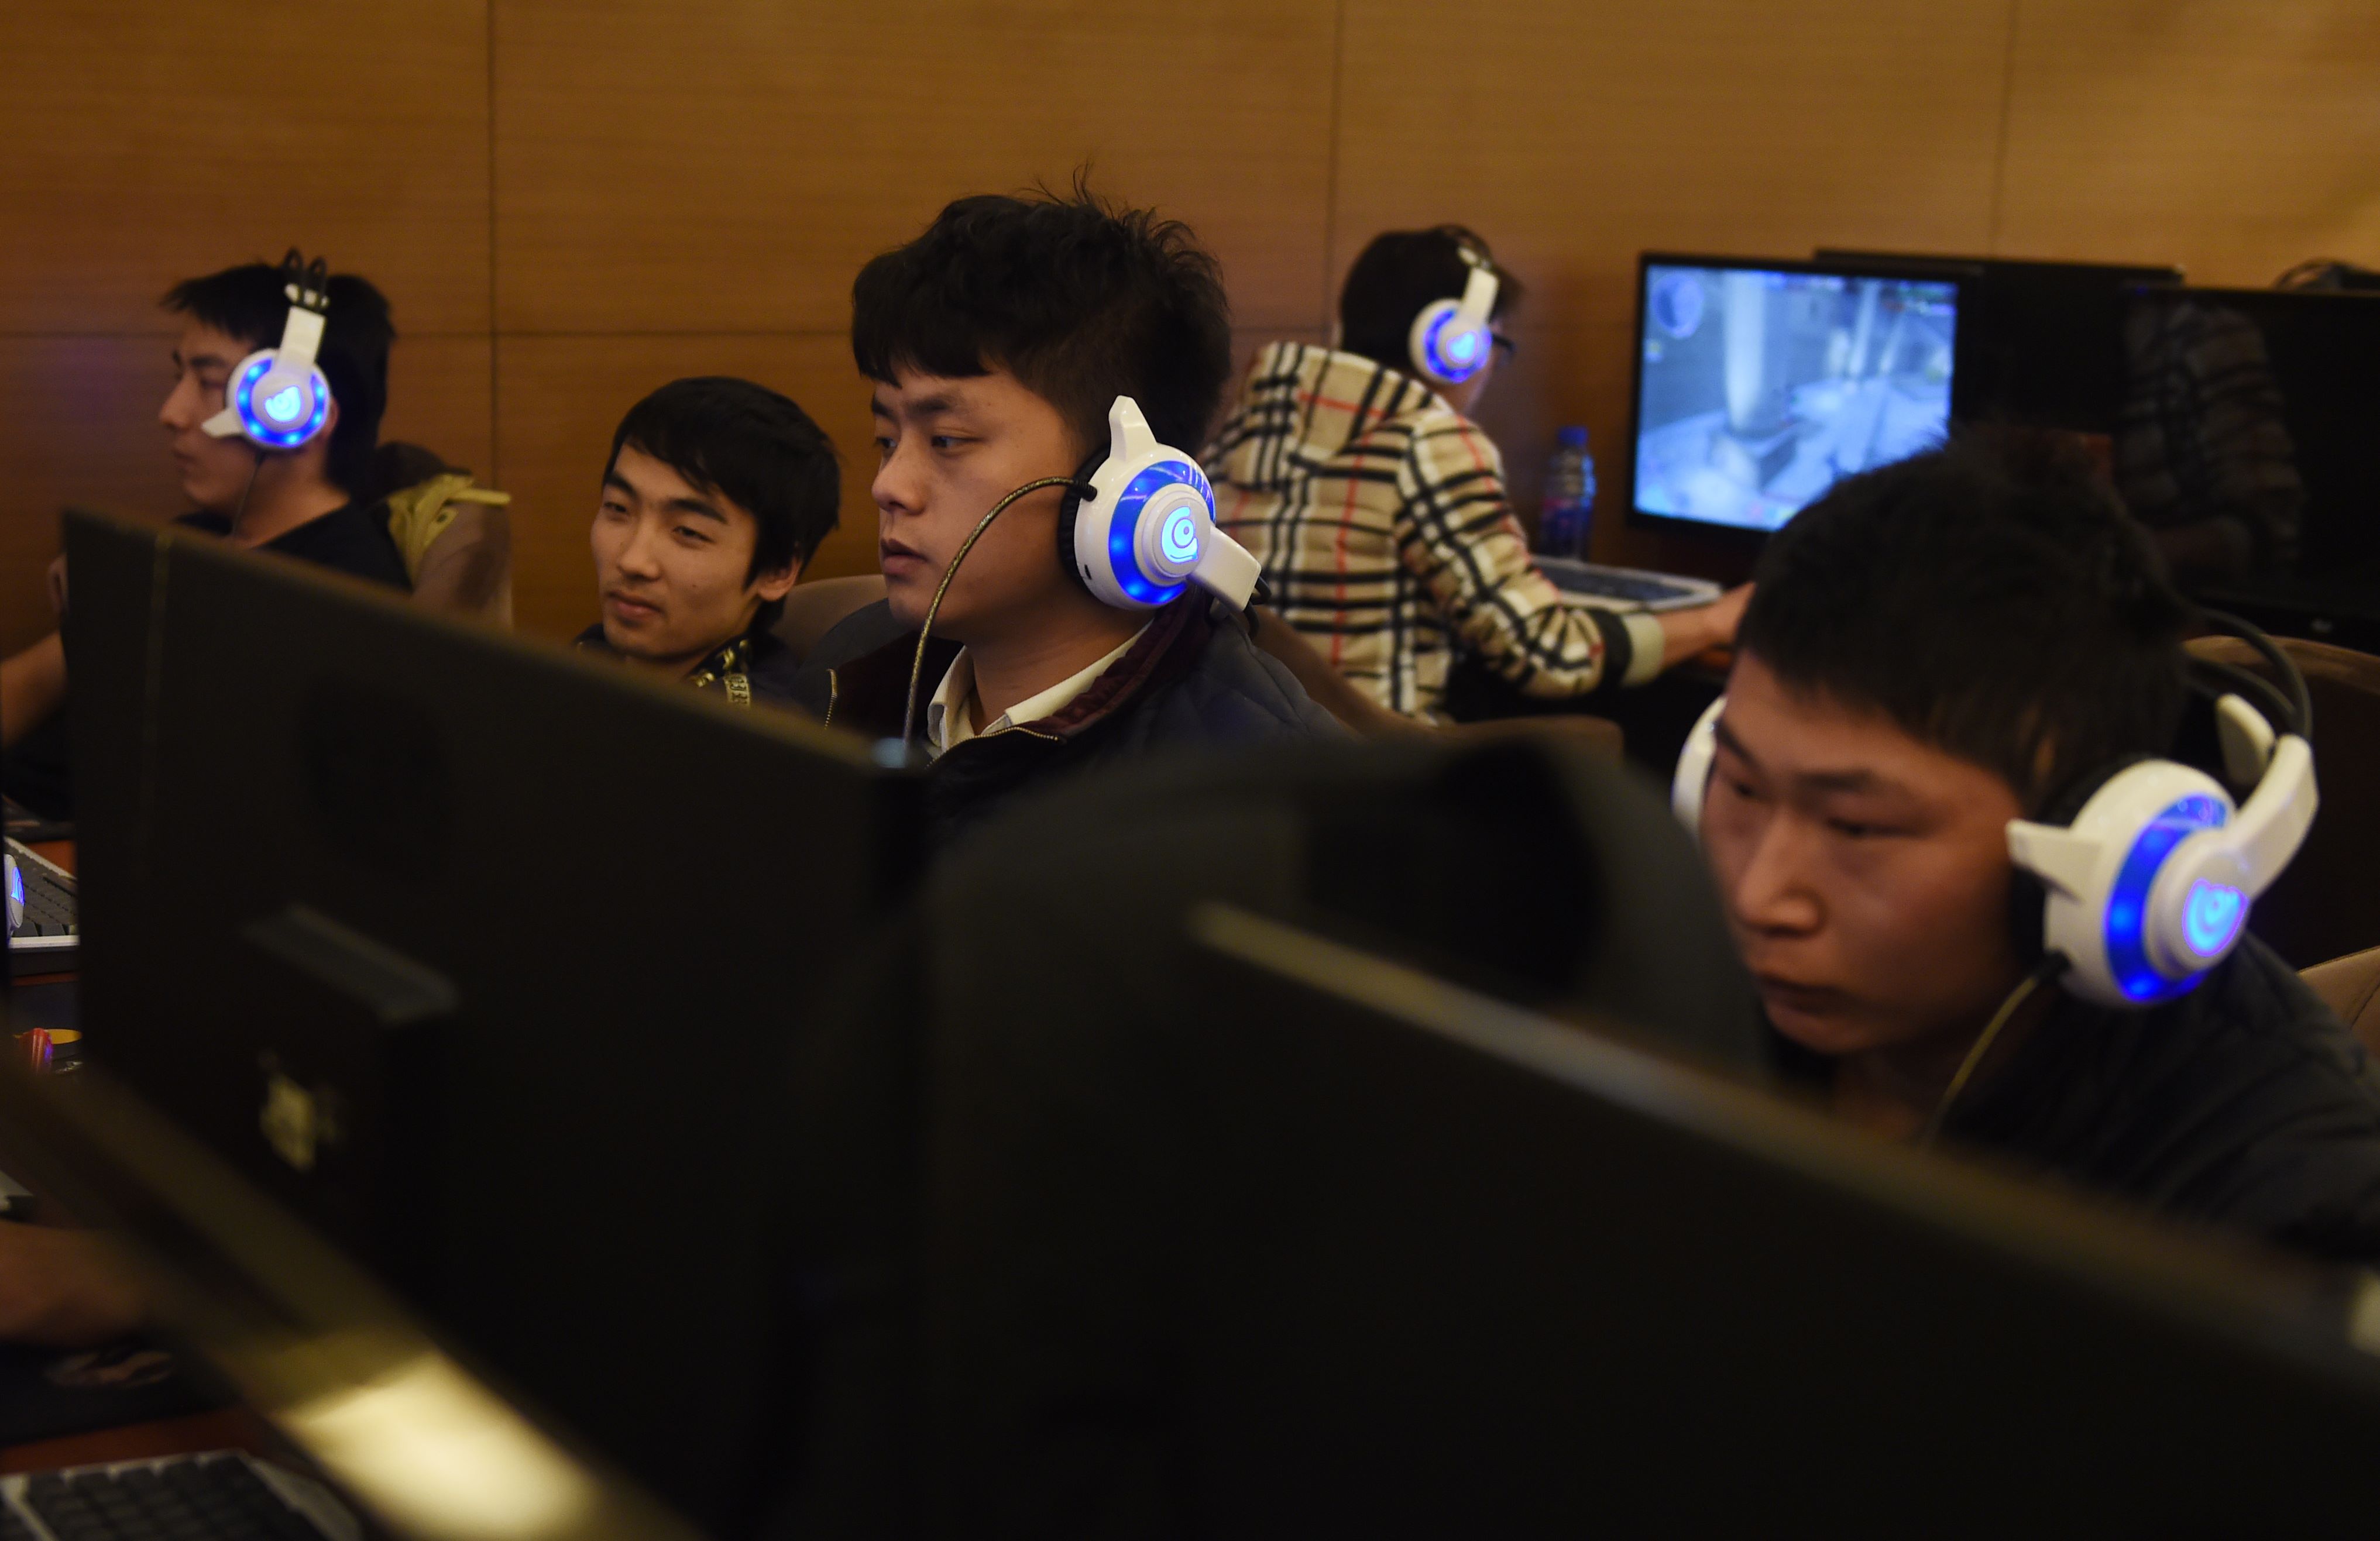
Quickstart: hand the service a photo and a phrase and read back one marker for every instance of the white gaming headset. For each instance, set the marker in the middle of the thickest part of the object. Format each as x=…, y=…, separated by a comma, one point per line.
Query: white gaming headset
x=277, y=399
x=2148, y=885
x=1139, y=527
x=1451, y=338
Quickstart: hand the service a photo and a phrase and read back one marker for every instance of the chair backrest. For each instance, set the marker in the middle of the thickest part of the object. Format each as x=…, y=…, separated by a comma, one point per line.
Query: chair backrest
x=2350, y=985
x=812, y=608
x=454, y=534
x=2327, y=903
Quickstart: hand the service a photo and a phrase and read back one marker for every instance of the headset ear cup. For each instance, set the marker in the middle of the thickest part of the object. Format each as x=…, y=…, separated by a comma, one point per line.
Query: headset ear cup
x=2028, y=898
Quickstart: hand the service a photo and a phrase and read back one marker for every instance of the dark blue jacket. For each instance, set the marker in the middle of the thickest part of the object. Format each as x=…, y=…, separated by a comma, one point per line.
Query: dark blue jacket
x=1195, y=679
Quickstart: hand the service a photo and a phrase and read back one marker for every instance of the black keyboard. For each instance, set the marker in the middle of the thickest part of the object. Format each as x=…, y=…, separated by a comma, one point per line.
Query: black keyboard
x=47, y=938
x=220, y=1497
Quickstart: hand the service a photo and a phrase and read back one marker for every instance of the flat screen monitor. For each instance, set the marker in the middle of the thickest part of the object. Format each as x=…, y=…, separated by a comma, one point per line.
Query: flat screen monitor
x=1759, y=383
x=2041, y=342
x=486, y=962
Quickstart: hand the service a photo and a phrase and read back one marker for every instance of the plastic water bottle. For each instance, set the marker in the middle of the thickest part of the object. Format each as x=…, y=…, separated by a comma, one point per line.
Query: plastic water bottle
x=1563, y=519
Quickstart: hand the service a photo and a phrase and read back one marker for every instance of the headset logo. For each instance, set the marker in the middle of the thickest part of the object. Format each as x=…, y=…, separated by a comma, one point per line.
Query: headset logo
x=1181, y=536
x=283, y=405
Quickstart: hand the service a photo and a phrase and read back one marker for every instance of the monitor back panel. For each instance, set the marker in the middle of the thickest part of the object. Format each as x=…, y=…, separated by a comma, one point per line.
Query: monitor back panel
x=485, y=961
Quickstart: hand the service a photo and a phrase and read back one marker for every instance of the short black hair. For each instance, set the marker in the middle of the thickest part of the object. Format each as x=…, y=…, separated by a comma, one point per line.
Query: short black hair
x=249, y=303
x=1081, y=300
x=1993, y=599
x=1401, y=274
x=753, y=447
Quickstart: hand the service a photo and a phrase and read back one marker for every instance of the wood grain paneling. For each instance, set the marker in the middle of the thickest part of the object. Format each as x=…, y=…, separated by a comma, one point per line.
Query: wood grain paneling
x=81, y=427
x=729, y=166
x=560, y=400
x=151, y=142
x=2234, y=139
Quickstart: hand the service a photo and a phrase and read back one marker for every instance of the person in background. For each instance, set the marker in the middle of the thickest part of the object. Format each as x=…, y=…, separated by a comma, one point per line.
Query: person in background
x=1972, y=636
x=717, y=494
x=316, y=502
x=1379, y=512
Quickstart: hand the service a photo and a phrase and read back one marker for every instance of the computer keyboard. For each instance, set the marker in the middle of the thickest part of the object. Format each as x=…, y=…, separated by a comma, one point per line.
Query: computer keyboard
x=223, y=1496
x=44, y=936
x=1627, y=588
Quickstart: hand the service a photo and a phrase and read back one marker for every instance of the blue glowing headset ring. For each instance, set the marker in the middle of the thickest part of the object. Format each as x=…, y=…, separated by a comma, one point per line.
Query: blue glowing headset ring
x=2128, y=901
x=1455, y=370
x=1123, y=527
x=244, y=402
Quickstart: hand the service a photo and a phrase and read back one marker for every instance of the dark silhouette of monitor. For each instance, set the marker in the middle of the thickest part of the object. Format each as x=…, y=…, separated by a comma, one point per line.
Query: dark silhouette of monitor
x=485, y=961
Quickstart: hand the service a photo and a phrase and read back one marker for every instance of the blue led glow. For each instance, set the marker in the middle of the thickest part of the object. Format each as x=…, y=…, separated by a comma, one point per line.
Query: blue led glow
x=2212, y=916
x=268, y=435
x=1122, y=559
x=16, y=885
x=281, y=404
x=1456, y=358
x=2128, y=956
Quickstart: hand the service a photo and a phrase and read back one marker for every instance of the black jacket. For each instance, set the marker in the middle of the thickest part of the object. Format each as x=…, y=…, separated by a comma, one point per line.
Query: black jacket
x=766, y=665
x=2244, y=1105
x=1193, y=680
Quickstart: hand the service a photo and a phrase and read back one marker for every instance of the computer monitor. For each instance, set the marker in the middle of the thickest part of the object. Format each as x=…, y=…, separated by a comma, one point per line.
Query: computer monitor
x=1315, y=1242
x=2041, y=344
x=2246, y=443
x=485, y=960
x=1760, y=383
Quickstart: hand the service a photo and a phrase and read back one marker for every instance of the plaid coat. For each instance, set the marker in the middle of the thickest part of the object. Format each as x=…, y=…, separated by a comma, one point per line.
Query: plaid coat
x=1380, y=517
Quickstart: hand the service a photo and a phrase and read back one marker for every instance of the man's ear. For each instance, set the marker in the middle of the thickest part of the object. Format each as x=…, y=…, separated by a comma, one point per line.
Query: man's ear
x=773, y=586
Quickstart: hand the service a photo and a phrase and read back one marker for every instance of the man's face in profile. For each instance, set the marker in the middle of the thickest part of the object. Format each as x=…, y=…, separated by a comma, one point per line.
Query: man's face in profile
x=213, y=472
x=947, y=450
x=1865, y=874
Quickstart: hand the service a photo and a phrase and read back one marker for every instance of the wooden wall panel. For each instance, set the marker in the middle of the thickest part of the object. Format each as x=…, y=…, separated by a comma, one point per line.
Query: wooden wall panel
x=729, y=166
x=2234, y=139
x=559, y=398
x=149, y=142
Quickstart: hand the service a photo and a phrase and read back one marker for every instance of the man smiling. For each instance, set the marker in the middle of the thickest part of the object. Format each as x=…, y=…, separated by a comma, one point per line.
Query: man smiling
x=1933, y=651
x=998, y=344
x=717, y=494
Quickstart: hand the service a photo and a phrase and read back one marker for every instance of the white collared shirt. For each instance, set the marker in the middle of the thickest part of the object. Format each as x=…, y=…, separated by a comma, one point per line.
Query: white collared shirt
x=949, y=724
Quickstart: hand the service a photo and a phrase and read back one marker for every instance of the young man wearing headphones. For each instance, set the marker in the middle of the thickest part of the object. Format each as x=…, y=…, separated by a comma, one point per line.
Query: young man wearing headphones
x=1058, y=594
x=279, y=378
x=717, y=494
x=1954, y=803
x=1377, y=507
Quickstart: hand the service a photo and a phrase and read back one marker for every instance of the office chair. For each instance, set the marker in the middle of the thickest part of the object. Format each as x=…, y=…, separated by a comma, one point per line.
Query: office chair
x=2328, y=904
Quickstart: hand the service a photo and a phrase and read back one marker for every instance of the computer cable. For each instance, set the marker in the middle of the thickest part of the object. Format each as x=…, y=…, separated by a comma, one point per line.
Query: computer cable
x=925, y=632
x=2051, y=965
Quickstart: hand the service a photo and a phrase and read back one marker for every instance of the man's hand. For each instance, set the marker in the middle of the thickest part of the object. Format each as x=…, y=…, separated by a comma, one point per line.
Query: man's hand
x=63, y=1289
x=1688, y=632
